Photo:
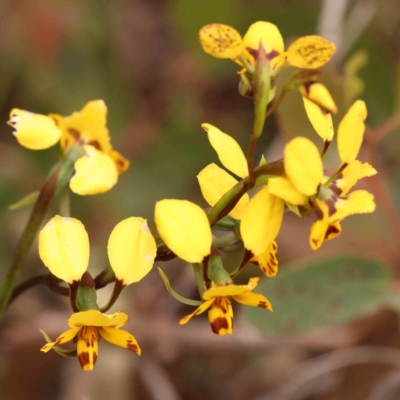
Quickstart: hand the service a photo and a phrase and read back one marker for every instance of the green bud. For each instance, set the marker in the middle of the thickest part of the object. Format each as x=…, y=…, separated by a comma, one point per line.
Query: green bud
x=217, y=272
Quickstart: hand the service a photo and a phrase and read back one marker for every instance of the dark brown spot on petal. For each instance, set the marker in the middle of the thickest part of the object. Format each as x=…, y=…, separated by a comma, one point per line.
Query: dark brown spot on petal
x=274, y=246
x=95, y=144
x=218, y=324
x=84, y=358
x=315, y=241
x=74, y=133
x=332, y=230
x=132, y=347
x=263, y=304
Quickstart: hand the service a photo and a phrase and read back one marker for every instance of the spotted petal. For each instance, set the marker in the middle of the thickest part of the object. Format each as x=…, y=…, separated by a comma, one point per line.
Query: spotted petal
x=220, y=316
x=199, y=310
x=221, y=41
x=88, y=126
x=310, y=52
x=254, y=300
x=355, y=171
x=120, y=338
x=63, y=338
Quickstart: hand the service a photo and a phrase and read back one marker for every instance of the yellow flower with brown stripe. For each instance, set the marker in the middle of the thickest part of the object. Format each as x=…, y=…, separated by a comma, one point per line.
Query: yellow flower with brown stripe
x=89, y=326
x=305, y=181
x=98, y=169
x=217, y=300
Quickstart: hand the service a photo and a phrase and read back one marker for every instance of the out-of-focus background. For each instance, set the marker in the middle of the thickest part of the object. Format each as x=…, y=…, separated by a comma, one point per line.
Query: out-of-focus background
x=334, y=332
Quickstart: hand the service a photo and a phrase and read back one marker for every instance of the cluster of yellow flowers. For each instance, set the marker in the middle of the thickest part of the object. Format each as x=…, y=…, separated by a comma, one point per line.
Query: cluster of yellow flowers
x=297, y=183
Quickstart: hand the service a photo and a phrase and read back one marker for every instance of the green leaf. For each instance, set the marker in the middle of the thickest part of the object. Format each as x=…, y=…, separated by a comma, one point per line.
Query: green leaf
x=25, y=201
x=177, y=296
x=328, y=292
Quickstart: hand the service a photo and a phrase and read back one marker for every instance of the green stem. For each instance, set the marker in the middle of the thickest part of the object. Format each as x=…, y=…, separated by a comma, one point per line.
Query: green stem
x=114, y=297
x=198, y=273
x=64, y=205
x=246, y=64
x=277, y=102
x=250, y=160
x=229, y=200
x=25, y=243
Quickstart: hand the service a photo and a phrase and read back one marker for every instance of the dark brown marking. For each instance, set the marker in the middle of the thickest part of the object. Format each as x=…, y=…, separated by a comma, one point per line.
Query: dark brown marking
x=84, y=358
x=132, y=347
x=95, y=144
x=74, y=133
x=218, y=324
x=331, y=230
x=263, y=304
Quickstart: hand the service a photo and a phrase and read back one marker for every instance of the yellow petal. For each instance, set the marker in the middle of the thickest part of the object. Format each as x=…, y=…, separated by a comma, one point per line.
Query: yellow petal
x=318, y=94
x=64, y=248
x=351, y=132
x=120, y=338
x=261, y=221
x=357, y=202
x=96, y=318
x=268, y=35
x=283, y=188
x=355, y=171
x=199, y=310
x=88, y=347
x=121, y=162
x=87, y=126
x=323, y=230
x=228, y=150
x=310, y=52
x=185, y=229
x=254, y=300
x=34, y=131
x=220, y=316
x=63, y=338
x=131, y=250
x=303, y=165
x=95, y=173
x=320, y=120
x=230, y=290
x=214, y=183
x=267, y=261
x=221, y=41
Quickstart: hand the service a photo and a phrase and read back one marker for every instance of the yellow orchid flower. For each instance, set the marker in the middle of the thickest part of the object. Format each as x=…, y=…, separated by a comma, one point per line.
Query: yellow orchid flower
x=98, y=169
x=223, y=41
x=217, y=300
x=64, y=249
x=305, y=182
x=89, y=326
x=261, y=217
